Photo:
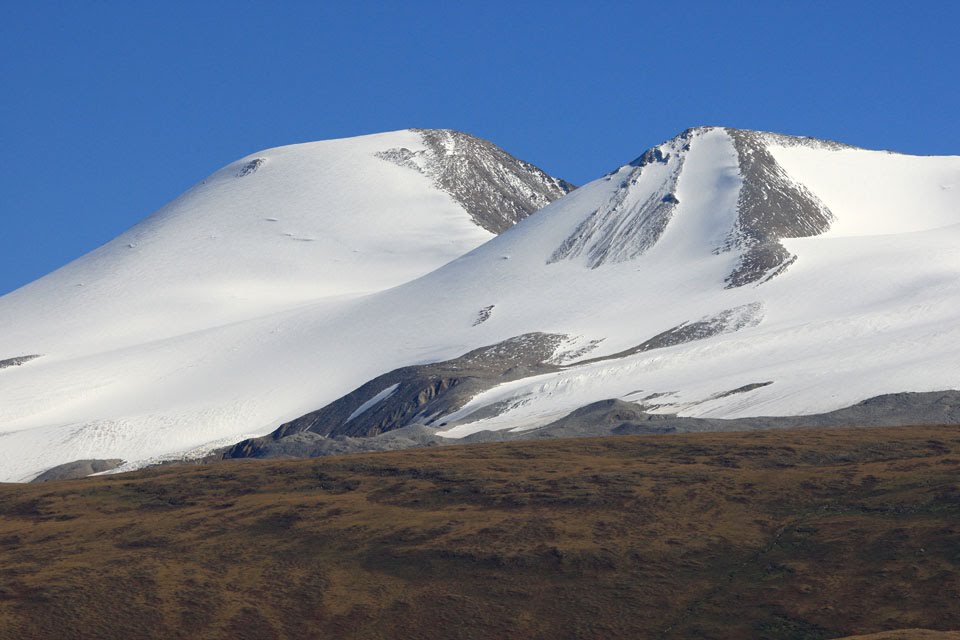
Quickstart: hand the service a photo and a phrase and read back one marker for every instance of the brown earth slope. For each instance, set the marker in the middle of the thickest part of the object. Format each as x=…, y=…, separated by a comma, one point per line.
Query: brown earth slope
x=800, y=534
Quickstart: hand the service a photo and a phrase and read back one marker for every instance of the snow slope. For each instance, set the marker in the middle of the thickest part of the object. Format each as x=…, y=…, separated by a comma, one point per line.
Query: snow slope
x=315, y=225
x=280, y=228
x=829, y=272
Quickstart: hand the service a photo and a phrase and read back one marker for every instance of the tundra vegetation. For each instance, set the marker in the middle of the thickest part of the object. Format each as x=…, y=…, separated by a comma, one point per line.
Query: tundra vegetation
x=793, y=534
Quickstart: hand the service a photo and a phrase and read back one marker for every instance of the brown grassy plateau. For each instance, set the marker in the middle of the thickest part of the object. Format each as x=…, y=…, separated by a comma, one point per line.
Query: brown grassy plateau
x=798, y=534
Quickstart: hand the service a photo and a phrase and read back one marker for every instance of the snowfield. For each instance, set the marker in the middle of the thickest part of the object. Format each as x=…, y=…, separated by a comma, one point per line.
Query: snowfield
x=279, y=229
x=254, y=299
x=144, y=342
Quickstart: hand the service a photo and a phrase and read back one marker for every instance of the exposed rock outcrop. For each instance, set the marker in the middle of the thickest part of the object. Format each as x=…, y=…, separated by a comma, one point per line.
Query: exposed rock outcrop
x=771, y=206
x=418, y=394
x=77, y=469
x=17, y=361
x=496, y=189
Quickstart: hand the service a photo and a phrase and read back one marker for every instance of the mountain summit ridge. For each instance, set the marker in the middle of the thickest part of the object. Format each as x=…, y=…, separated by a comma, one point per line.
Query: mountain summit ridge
x=770, y=206
x=495, y=188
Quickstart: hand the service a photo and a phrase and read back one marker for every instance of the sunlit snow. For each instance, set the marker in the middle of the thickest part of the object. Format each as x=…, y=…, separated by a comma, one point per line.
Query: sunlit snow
x=218, y=322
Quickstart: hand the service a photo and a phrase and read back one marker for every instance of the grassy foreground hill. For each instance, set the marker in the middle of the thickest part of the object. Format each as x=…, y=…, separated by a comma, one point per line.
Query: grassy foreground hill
x=800, y=534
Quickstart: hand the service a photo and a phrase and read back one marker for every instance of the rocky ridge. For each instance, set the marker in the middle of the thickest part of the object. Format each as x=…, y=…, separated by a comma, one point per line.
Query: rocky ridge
x=496, y=189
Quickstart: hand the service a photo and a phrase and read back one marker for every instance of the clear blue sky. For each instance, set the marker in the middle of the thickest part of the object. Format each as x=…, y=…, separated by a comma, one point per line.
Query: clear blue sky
x=110, y=109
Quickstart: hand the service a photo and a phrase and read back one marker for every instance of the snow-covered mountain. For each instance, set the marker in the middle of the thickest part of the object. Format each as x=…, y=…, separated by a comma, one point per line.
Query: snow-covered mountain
x=119, y=331
x=722, y=274
x=278, y=229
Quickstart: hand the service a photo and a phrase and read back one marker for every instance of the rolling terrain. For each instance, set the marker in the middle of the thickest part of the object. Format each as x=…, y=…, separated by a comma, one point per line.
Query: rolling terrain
x=786, y=534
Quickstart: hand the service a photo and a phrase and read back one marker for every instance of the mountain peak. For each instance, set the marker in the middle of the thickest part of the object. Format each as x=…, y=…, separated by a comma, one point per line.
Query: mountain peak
x=495, y=188
x=766, y=204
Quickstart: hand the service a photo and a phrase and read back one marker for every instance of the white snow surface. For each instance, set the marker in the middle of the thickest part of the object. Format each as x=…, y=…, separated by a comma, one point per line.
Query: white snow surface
x=314, y=221
x=185, y=340
x=121, y=329
x=377, y=399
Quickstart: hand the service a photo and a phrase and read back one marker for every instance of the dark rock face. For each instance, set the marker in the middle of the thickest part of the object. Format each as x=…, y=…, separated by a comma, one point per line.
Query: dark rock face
x=77, y=469
x=250, y=167
x=760, y=262
x=496, y=189
x=418, y=394
x=651, y=156
x=483, y=315
x=771, y=206
x=16, y=362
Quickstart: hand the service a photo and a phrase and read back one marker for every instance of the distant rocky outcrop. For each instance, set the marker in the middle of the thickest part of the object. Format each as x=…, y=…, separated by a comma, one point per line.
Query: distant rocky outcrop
x=496, y=189
x=613, y=417
x=771, y=206
x=77, y=469
x=250, y=167
x=17, y=361
x=417, y=395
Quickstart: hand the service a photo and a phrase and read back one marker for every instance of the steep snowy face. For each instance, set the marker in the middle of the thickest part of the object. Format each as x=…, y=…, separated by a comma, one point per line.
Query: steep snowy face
x=770, y=204
x=634, y=217
x=281, y=228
